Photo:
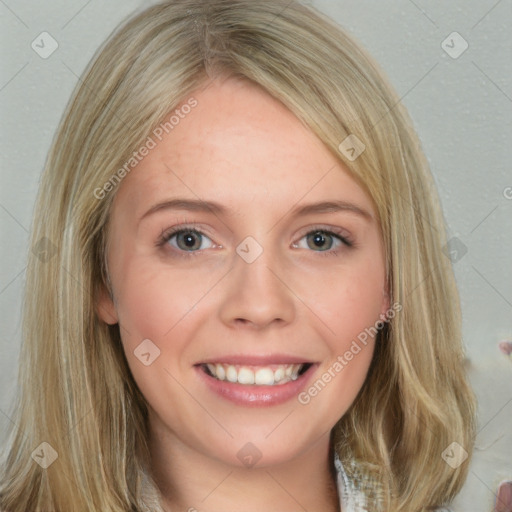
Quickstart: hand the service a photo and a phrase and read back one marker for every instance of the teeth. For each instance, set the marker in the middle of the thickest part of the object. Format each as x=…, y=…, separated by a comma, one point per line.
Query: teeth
x=219, y=371
x=264, y=377
x=231, y=374
x=245, y=376
x=261, y=376
x=279, y=375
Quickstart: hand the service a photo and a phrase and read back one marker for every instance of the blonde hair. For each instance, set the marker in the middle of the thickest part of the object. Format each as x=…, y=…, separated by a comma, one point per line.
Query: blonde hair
x=76, y=390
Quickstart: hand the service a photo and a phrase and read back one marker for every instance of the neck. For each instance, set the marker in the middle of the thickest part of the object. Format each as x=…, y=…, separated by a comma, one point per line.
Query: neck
x=192, y=481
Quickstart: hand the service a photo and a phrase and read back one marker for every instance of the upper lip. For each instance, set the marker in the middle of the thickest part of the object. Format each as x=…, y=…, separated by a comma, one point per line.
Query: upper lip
x=255, y=360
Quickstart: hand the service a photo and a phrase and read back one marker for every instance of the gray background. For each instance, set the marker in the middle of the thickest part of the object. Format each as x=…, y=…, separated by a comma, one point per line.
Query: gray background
x=461, y=108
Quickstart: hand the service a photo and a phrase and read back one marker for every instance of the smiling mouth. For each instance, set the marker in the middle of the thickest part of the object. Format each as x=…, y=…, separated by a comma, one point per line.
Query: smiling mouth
x=270, y=375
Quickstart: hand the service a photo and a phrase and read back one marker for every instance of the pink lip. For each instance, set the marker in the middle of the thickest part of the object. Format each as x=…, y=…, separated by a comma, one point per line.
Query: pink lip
x=256, y=396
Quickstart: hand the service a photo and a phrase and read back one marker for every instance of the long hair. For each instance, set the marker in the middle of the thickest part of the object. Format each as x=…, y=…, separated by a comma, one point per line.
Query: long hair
x=76, y=392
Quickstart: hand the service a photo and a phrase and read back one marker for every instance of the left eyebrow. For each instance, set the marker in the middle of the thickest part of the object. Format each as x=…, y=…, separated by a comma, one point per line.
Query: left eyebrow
x=332, y=207
x=216, y=208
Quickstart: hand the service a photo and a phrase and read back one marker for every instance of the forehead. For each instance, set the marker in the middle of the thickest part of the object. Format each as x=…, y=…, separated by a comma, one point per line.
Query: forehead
x=239, y=145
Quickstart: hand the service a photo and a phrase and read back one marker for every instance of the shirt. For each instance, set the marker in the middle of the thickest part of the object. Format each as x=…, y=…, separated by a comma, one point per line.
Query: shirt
x=351, y=499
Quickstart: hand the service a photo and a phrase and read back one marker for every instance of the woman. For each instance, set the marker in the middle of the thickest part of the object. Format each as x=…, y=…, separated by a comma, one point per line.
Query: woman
x=256, y=366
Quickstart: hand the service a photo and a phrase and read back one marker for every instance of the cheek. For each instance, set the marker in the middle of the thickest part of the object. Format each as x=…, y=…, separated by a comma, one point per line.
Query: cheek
x=153, y=303
x=154, y=298
x=350, y=307
x=349, y=312
x=350, y=301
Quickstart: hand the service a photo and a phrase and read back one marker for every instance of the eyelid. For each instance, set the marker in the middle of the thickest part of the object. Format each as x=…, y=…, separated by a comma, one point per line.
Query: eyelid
x=341, y=234
x=193, y=227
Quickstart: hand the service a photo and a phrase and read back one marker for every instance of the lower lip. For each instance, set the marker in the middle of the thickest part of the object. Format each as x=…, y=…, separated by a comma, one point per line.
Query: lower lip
x=256, y=396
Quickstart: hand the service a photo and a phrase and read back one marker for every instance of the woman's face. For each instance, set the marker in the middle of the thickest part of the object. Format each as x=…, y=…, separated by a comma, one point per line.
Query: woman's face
x=269, y=292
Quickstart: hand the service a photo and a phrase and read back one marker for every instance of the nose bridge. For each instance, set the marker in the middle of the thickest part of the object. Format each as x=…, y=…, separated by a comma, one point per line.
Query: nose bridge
x=256, y=292
x=254, y=261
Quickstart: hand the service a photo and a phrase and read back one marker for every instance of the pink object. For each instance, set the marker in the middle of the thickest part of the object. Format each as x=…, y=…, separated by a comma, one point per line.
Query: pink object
x=504, y=497
x=506, y=347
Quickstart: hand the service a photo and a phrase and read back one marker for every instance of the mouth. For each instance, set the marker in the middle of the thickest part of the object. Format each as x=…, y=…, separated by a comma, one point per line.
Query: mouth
x=252, y=375
x=256, y=380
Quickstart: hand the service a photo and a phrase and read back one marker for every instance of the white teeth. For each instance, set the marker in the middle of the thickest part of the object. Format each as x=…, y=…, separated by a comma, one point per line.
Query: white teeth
x=262, y=376
x=219, y=371
x=245, y=376
x=279, y=375
x=231, y=374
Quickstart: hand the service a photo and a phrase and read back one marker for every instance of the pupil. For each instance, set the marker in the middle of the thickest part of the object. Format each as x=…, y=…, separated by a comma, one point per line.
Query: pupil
x=189, y=240
x=319, y=239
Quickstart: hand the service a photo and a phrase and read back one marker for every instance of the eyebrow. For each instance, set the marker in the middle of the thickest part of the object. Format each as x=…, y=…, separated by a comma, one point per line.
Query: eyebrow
x=198, y=205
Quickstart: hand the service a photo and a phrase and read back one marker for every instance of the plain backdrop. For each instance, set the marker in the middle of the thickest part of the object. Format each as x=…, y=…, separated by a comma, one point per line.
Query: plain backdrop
x=451, y=65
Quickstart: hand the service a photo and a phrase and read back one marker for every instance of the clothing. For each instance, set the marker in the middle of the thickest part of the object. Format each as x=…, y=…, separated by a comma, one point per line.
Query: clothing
x=351, y=499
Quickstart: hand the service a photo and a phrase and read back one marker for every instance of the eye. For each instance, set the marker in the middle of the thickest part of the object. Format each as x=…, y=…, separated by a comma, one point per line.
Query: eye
x=186, y=239
x=322, y=240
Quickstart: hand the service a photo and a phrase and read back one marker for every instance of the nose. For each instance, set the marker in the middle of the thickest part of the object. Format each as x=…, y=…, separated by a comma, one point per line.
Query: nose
x=257, y=293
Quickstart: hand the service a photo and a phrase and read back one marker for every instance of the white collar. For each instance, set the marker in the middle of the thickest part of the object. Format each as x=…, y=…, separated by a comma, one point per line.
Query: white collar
x=351, y=500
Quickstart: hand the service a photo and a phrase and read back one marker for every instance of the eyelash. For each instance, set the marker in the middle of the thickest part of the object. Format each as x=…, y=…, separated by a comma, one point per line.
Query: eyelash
x=167, y=234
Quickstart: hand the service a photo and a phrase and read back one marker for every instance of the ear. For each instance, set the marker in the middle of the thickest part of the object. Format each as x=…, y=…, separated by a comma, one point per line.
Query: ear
x=105, y=307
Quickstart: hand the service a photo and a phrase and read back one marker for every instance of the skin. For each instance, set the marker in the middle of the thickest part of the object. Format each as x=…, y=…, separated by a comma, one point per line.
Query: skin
x=245, y=150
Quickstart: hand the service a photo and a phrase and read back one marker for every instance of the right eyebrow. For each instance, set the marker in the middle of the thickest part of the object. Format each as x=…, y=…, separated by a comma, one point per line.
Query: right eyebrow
x=195, y=205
